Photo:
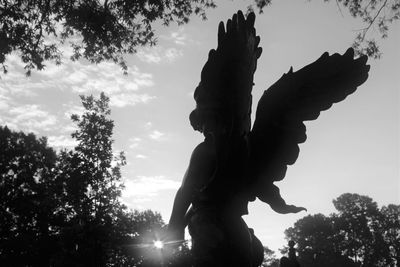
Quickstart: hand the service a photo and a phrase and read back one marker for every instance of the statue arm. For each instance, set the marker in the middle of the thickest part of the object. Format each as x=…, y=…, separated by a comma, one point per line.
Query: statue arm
x=182, y=202
x=200, y=170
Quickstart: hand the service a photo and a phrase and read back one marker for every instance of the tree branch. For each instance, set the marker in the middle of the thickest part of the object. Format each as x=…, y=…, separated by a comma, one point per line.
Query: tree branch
x=340, y=9
x=365, y=30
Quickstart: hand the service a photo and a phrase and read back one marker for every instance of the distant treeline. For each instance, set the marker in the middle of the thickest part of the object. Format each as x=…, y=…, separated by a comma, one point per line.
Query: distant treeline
x=358, y=234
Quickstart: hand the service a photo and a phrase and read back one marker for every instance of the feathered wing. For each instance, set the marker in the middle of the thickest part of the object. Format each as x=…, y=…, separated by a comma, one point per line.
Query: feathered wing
x=223, y=100
x=296, y=97
x=224, y=92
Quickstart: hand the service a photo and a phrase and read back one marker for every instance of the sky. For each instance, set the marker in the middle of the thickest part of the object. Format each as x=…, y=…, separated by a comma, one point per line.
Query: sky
x=353, y=147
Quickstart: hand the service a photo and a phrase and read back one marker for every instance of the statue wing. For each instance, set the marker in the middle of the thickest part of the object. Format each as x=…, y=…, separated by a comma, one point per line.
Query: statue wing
x=296, y=97
x=224, y=92
x=223, y=101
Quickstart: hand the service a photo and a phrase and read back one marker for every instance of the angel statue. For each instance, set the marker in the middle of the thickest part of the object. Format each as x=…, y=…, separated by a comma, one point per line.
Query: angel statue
x=236, y=164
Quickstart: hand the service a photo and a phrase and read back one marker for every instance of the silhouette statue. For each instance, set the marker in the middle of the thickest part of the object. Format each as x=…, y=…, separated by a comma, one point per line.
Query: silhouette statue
x=235, y=165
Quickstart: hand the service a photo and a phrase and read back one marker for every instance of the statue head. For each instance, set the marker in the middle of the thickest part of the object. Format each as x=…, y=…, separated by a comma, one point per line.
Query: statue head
x=209, y=121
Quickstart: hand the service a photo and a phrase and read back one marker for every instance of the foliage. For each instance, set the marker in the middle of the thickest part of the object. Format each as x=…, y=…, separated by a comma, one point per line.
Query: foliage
x=359, y=232
x=91, y=178
x=28, y=199
x=270, y=259
x=359, y=222
x=391, y=225
x=374, y=14
x=316, y=244
x=63, y=209
x=378, y=14
x=101, y=30
x=109, y=29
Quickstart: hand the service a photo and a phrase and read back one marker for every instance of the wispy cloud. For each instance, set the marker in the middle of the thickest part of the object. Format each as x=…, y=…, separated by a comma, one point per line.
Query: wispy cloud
x=172, y=54
x=140, y=156
x=105, y=77
x=156, y=135
x=30, y=118
x=4, y=102
x=81, y=78
x=134, y=142
x=124, y=99
x=73, y=109
x=61, y=141
x=19, y=115
x=149, y=56
x=123, y=90
x=178, y=37
x=17, y=84
x=159, y=55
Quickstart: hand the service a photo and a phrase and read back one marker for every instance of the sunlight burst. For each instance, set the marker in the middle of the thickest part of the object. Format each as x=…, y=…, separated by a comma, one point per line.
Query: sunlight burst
x=158, y=244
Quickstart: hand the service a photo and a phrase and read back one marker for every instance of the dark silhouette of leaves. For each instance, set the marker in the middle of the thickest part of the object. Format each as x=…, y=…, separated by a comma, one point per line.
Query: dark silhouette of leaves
x=64, y=209
x=359, y=233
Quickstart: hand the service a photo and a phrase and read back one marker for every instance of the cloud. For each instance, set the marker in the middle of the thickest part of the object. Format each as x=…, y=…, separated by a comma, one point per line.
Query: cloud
x=123, y=99
x=148, y=125
x=17, y=84
x=178, y=37
x=140, y=156
x=149, y=56
x=73, y=109
x=156, y=135
x=108, y=74
x=134, y=142
x=4, y=102
x=77, y=77
x=30, y=118
x=81, y=77
x=61, y=141
x=22, y=116
x=105, y=77
x=147, y=186
x=171, y=54
x=157, y=55
x=27, y=103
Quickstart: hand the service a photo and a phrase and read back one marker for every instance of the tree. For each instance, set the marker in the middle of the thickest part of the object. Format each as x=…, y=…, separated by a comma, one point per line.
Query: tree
x=108, y=29
x=359, y=225
x=358, y=233
x=374, y=14
x=92, y=184
x=270, y=259
x=133, y=238
x=316, y=239
x=95, y=159
x=391, y=232
x=103, y=30
x=29, y=200
x=99, y=230
x=63, y=209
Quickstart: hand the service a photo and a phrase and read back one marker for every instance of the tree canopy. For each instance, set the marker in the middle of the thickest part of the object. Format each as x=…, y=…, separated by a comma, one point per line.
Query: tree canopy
x=63, y=208
x=28, y=207
x=107, y=30
x=96, y=30
x=359, y=232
